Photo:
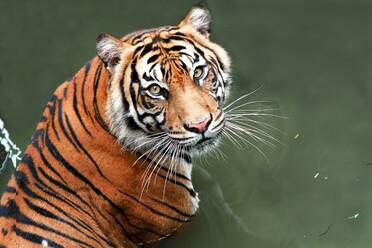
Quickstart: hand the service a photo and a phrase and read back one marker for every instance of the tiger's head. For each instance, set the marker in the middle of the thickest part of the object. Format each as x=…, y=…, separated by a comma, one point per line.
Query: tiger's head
x=167, y=85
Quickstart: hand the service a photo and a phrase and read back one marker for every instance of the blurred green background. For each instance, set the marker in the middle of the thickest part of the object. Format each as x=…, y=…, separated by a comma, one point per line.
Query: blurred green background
x=314, y=59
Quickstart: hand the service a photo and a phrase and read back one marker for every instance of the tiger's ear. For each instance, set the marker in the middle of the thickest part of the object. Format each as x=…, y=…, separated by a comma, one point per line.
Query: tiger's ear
x=109, y=49
x=199, y=17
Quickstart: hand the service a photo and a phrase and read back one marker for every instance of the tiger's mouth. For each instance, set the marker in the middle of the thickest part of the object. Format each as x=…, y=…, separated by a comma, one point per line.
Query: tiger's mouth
x=201, y=142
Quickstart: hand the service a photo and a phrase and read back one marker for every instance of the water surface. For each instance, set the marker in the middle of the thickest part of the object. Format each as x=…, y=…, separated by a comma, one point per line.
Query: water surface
x=314, y=59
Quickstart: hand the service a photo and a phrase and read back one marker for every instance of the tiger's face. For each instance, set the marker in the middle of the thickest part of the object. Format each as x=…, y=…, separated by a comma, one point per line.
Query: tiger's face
x=167, y=85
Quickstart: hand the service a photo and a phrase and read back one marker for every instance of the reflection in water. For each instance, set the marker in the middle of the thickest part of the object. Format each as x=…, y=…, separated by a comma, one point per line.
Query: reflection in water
x=218, y=201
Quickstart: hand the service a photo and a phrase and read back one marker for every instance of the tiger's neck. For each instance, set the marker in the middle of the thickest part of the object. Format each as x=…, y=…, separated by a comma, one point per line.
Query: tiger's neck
x=81, y=167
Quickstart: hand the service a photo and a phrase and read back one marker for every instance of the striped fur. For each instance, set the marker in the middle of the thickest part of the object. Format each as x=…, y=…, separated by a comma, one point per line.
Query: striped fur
x=79, y=183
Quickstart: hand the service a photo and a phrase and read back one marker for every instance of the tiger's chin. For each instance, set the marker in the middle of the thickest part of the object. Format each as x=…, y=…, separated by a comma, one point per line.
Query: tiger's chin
x=204, y=145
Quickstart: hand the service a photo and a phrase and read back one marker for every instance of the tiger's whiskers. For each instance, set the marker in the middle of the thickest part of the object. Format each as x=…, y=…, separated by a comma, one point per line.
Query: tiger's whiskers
x=244, y=125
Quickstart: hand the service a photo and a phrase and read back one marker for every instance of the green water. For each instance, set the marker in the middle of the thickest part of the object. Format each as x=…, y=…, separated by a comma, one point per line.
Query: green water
x=314, y=59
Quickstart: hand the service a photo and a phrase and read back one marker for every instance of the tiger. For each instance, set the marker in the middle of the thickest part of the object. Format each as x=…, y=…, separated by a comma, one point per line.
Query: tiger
x=110, y=161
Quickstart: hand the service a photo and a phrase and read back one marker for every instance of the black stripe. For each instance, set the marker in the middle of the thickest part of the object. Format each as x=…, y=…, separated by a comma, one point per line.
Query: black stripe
x=42, y=118
x=87, y=68
x=146, y=49
x=35, y=136
x=222, y=122
x=76, y=109
x=83, y=148
x=191, y=191
x=10, y=190
x=219, y=115
x=182, y=65
x=152, y=67
x=176, y=48
x=147, y=78
x=171, y=28
x=134, y=75
x=34, y=238
x=173, y=208
x=65, y=92
x=52, y=111
x=137, y=50
x=131, y=123
x=189, y=56
x=134, y=79
x=152, y=58
x=4, y=231
x=62, y=125
x=176, y=173
x=139, y=35
x=182, y=139
x=187, y=158
x=123, y=97
x=123, y=228
x=97, y=114
x=10, y=210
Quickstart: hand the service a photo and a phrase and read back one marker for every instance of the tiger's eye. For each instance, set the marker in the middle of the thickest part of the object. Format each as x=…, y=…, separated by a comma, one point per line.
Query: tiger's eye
x=155, y=89
x=198, y=72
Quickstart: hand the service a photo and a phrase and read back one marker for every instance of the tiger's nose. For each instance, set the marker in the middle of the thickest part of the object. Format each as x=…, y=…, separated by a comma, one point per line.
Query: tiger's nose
x=199, y=126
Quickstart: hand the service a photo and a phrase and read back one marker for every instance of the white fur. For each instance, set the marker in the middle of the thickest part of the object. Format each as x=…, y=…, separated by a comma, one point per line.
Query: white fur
x=109, y=48
x=199, y=18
